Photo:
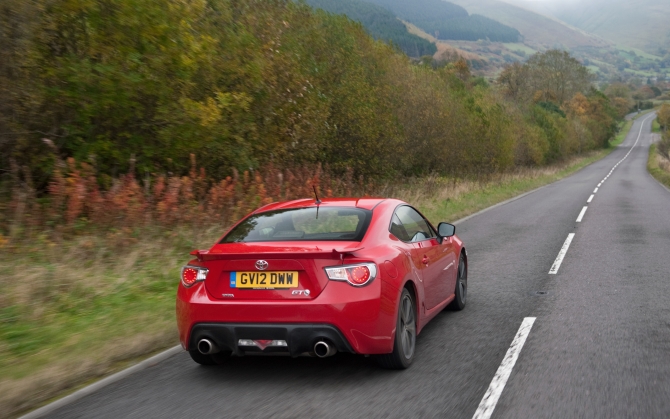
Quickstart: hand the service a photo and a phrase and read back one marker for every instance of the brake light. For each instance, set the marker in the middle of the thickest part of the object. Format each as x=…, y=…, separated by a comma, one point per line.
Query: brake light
x=192, y=274
x=356, y=275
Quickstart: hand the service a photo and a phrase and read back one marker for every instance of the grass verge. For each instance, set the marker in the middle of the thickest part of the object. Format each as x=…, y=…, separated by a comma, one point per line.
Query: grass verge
x=658, y=166
x=655, y=126
x=84, y=308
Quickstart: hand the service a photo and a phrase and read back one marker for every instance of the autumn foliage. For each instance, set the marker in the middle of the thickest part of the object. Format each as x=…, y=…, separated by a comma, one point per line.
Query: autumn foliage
x=108, y=104
x=76, y=200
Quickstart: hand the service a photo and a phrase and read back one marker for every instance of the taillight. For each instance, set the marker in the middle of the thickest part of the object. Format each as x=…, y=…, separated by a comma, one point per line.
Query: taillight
x=357, y=275
x=192, y=274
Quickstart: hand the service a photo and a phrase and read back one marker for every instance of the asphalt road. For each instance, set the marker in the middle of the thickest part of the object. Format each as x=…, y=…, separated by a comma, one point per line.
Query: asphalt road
x=599, y=348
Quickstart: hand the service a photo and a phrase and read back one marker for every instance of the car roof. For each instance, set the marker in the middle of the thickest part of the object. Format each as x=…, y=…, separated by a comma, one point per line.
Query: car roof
x=364, y=203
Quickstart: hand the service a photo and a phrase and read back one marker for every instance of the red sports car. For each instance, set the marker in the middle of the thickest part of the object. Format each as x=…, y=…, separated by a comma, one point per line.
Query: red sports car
x=316, y=277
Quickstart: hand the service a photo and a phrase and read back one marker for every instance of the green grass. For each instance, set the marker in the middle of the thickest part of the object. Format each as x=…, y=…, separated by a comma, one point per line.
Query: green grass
x=640, y=72
x=655, y=126
x=639, y=52
x=520, y=47
x=82, y=308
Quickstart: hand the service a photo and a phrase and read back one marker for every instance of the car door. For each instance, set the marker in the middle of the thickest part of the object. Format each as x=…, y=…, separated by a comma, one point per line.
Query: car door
x=431, y=257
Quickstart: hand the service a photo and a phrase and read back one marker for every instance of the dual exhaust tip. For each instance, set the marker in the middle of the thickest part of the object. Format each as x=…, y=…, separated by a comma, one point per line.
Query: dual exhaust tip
x=322, y=349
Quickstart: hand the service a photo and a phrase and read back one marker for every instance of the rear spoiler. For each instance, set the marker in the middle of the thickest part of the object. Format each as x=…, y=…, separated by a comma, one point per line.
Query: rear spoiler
x=205, y=255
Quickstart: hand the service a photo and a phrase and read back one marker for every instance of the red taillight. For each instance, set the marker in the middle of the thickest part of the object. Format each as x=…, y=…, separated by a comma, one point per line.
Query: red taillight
x=357, y=275
x=192, y=274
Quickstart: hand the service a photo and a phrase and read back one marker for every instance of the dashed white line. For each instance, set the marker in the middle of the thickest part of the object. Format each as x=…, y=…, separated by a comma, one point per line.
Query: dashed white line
x=590, y=199
x=561, y=255
x=581, y=214
x=595, y=190
x=490, y=399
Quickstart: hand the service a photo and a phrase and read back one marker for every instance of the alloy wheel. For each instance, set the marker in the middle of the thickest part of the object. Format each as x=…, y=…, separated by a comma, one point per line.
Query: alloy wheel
x=408, y=327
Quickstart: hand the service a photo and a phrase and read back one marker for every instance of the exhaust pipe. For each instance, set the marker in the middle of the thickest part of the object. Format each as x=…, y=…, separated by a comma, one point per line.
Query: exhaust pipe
x=323, y=350
x=207, y=347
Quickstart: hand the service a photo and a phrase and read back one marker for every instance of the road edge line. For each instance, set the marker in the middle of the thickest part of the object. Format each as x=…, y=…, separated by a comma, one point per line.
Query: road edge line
x=499, y=204
x=92, y=388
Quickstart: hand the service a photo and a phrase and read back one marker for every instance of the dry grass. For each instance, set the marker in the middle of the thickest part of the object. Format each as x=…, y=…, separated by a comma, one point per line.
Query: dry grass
x=71, y=312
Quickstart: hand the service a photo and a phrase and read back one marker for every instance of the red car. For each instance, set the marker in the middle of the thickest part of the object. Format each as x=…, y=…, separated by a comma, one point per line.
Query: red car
x=314, y=277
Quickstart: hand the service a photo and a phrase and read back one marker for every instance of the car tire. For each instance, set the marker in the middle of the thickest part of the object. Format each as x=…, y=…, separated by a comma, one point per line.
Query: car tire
x=404, y=345
x=208, y=360
x=461, y=286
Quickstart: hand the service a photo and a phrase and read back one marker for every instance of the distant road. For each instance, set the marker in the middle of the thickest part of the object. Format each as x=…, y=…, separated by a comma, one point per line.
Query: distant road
x=599, y=347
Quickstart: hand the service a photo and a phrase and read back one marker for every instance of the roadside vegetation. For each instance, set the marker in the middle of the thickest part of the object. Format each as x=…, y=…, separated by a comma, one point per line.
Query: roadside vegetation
x=659, y=153
x=133, y=132
x=80, y=304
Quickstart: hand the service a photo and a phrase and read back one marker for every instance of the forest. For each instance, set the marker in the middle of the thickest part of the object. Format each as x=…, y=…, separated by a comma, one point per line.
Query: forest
x=243, y=85
x=446, y=20
x=380, y=23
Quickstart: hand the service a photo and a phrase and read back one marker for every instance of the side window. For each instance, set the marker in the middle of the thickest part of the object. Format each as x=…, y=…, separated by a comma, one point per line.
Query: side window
x=398, y=230
x=415, y=227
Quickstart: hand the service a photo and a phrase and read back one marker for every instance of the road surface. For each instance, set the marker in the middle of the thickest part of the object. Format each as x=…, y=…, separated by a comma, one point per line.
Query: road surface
x=599, y=346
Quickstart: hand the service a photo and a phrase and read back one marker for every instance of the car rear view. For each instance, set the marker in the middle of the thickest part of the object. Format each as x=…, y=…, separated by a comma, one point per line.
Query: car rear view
x=289, y=279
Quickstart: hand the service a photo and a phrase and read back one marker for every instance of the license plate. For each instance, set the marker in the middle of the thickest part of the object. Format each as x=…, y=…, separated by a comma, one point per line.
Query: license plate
x=264, y=280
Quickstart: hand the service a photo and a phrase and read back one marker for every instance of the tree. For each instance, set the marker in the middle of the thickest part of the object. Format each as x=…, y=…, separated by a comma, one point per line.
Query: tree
x=557, y=76
x=663, y=116
x=620, y=95
x=514, y=81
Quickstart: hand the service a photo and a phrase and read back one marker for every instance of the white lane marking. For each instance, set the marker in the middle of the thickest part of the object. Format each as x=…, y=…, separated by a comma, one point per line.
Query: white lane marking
x=490, y=399
x=639, y=134
x=561, y=255
x=581, y=214
x=590, y=199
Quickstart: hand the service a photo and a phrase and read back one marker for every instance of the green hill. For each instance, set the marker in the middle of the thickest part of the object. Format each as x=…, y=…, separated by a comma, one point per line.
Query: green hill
x=643, y=24
x=450, y=21
x=380, y=23
x=537, y=30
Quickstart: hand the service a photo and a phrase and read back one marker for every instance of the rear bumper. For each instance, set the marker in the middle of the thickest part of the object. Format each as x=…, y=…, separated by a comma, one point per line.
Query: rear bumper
x=357, y=320
x=300, y=338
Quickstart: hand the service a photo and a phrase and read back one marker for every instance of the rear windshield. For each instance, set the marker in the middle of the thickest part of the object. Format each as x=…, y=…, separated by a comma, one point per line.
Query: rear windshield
x=302, y=224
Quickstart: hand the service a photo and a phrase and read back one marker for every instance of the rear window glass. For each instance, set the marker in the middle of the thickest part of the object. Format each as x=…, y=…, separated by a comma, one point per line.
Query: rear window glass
x=302, y=224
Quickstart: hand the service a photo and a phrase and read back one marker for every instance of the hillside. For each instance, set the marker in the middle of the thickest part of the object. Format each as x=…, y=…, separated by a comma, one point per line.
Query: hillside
x=380, y=23
x=639, y=24
x=450, y=21
x=538, y=31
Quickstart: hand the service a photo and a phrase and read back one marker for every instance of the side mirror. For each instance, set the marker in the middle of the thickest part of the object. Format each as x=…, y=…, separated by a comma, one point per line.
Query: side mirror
x=445, y=230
